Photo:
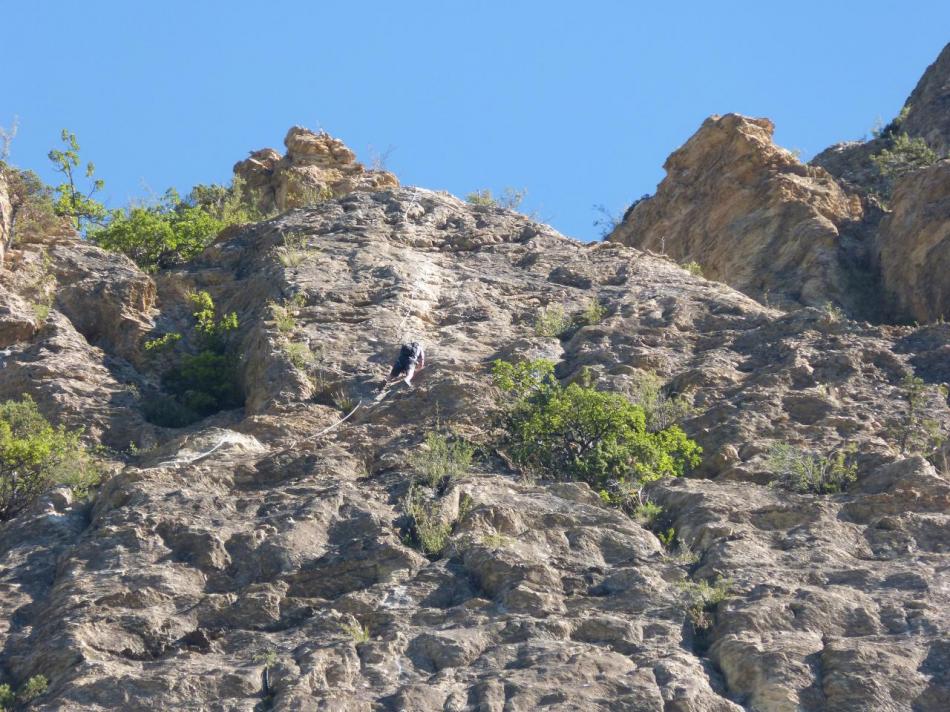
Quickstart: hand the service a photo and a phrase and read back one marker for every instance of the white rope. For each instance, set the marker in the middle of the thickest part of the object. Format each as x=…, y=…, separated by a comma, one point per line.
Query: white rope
x=339, y=422
x=188, y=461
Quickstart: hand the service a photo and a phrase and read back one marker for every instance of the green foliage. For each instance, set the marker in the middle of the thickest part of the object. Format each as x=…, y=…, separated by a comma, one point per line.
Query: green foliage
x=647, y=513
x=342, y=399
x=510, y=198
x=593, y=313
x=903, y=155
x=35, y=456
x=211, y=329
x=268, y=659
x=163, y=342
x=294, y=251
x=700, y=597
x=893, y=127
x=579, y=433
x=71, y=202
x=667, y=538
x=801, y=471
x=203, y=383
x=427, y=530
x=357, y=633
x=299, y=354
x=7, y=698
x=495, y=541
x=174, y=230
x=913, y=431
x=32, y=213
x=551, y=321
x=441, y=459
x=661, y=411
x=694, y=268
x=284, y=317
x=32, y=688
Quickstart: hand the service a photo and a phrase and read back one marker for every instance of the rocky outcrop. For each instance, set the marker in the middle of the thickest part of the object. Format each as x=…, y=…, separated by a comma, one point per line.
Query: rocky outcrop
x=316, y=167
x=926, y=116
x=914, y=244
x=750, y=214
x=929, y=114
x=250, y=541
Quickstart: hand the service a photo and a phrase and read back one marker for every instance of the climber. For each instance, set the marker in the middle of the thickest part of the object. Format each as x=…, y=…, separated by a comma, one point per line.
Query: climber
x=411, y=357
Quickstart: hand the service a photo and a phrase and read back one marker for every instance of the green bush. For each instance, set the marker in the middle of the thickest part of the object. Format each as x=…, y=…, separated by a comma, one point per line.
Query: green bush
x=162, y=343
x=701, y=597
x=510, y=198
x=35, y=456
x=32, y=213
x=174, y=230
x=801, y=471
x=913, y=431
x=593, y=313
x=551, y=321
x=427, y=531
x=204, y=383
x=579, y=433
x=32, y=688
x=903, y=155
x=693, y=267
x=661, y=411
x=7, y=698
x=442, y=458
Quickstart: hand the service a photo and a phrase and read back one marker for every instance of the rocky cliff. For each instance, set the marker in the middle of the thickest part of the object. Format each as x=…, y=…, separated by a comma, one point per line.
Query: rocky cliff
x=250, y=562
x=750, y=214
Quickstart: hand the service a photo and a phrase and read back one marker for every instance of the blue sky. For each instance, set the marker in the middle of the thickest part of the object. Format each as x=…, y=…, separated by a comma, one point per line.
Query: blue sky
x=579, y=103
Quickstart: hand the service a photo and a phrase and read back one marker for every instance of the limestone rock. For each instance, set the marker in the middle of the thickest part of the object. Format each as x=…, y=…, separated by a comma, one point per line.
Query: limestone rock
x=914, y=244
x=929, y=115
x=316, y=167
x=6, y=216
x=750, y=213
x=270, y=542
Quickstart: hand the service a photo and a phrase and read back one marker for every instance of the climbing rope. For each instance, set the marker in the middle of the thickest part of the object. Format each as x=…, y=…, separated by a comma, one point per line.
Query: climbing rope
x=225, y=438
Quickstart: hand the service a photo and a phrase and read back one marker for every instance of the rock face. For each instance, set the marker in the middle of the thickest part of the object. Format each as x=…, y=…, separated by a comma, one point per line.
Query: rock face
x=914, y=244
x=315, y=167
x=929, y=115
x=6, y=216
x=750, y=214
x=256, y=560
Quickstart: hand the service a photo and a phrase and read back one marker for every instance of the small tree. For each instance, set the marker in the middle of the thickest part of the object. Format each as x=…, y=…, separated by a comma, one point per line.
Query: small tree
x=35, y=456
x=913, y=431
x=580, y=433
x=81, y=208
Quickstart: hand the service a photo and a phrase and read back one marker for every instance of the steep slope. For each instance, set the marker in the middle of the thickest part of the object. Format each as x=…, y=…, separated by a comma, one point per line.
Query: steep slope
x=252, y=535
